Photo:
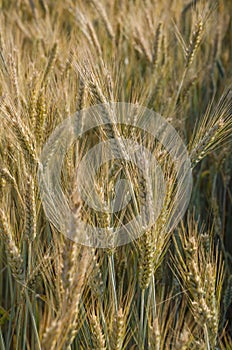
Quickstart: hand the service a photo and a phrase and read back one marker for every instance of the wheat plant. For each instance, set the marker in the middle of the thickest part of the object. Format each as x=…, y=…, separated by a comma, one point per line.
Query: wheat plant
x=167, y=289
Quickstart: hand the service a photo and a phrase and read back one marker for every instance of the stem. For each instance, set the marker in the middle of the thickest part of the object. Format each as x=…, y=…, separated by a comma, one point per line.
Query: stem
x=33, y=320
x=25, y=328
x=104, y=326
x=180, y=87
x=19, y=329
x=2, y=345
x=147, y=312
x=113, y=280
x=153, y=297
x=27, y=254
x=224, y=210
x=141, y=317
x=178, y=92
x=206, y=337
x=10, y=290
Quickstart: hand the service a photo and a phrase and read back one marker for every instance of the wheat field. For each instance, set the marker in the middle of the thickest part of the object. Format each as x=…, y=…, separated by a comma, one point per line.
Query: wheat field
x=166, y=289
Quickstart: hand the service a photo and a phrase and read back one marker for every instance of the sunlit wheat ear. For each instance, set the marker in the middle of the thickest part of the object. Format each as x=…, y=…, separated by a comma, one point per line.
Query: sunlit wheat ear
x=157, y=45
x=93, y=38
x=7, y=177
x=72, y=334
x=33, y=98
x=102, y=13
x=148, y=16
x=23, y=135
x=14, y=257
x=146, y=259
x=14, y=79
x=65, y=321
x=118, y=331
x=69, y=258
x=35, y=277
x=141, y=45
x=154, y=335
x=42, y=114
x=30, y=225
x=79, y=275
x=187, y=89
x=214, y=129
x=202, y=274
x=97, y=335
x=81, y=94
x=50, y=337
x=50, y=63
x=88, y=76
x=184, y=340
x=96, y=283
x=194, y=43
